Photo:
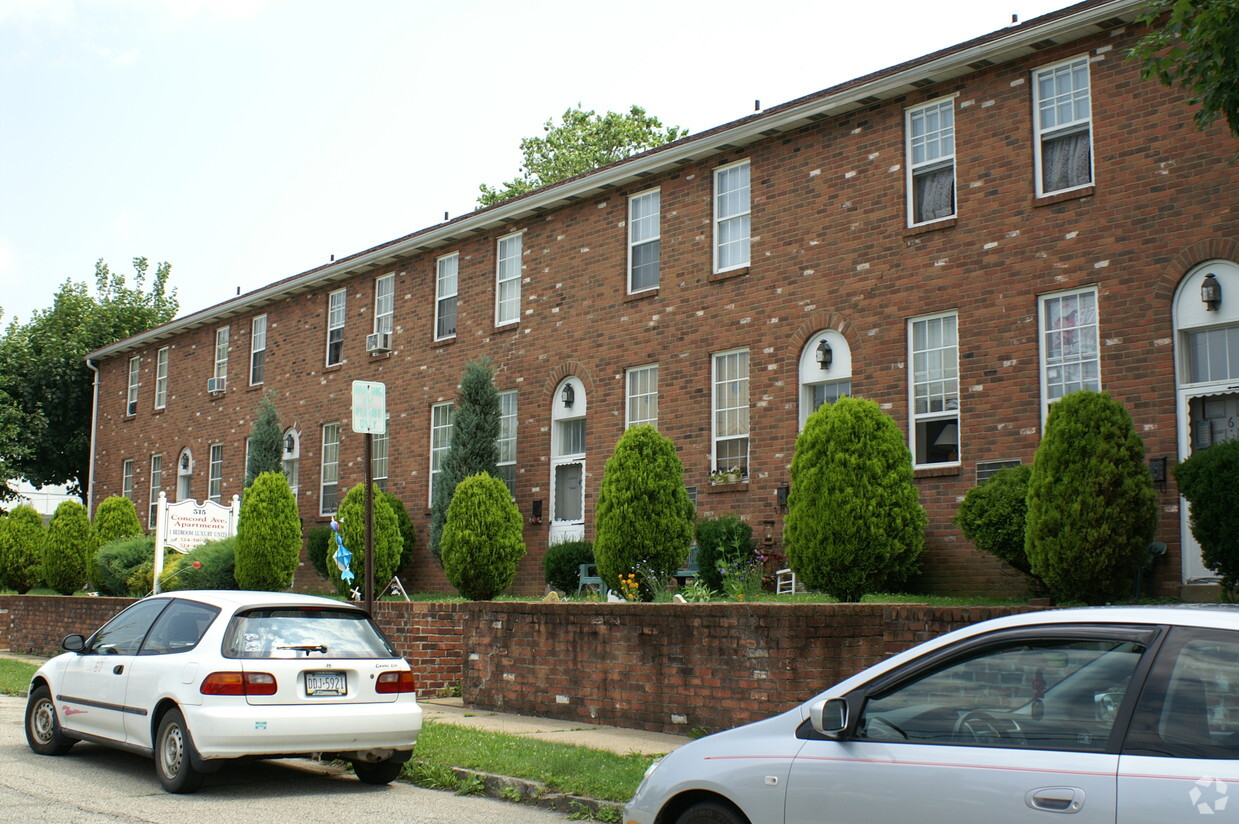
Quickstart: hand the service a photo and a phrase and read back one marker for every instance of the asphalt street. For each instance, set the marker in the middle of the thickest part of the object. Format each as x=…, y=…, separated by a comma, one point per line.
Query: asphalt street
x=97, y=785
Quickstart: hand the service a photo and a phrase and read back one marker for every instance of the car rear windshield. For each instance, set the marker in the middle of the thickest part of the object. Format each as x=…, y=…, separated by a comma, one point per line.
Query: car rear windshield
x=304, y=632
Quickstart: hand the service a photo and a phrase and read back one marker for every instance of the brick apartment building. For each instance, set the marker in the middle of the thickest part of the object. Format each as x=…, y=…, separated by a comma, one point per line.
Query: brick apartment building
x=962, y=238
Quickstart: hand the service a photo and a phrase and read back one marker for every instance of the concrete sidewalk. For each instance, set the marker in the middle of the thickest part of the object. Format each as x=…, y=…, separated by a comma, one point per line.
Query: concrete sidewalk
x=454, y=711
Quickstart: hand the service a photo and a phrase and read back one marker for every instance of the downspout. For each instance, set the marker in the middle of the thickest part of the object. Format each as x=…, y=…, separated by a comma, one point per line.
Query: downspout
x=94, y=417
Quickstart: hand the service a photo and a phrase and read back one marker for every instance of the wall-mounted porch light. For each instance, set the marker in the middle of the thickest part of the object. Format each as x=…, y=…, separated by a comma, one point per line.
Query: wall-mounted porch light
x=568, y=395
x=825, y=356
x=1211, y=292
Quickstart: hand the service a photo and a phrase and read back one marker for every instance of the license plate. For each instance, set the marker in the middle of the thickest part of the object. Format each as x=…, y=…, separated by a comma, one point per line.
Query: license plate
x=326, y=683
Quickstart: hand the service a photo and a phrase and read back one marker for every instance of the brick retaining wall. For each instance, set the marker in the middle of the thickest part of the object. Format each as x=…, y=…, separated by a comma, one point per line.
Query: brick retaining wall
x=662, y=667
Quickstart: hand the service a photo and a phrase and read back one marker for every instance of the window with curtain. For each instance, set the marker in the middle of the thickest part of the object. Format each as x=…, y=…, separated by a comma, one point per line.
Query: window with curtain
x=1063, y=118
x=931, y=161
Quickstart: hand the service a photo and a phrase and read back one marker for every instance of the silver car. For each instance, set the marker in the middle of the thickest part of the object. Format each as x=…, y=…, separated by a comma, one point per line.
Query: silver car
x=195, y=678
x=1109, y=714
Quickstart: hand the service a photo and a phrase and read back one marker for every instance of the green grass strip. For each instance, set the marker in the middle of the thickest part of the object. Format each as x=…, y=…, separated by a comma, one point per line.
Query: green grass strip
x=15, y=676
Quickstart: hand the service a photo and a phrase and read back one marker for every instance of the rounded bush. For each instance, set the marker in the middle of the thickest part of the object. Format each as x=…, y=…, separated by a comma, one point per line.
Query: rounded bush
x=562, y=564
x=1207, y=481
x=408, y=533
x=727, y=539
x=268, y=535
x=68, y=547
x=215, y=559
x=644, y=515
x=482, y=538
x=117, y=560
x=352, y=519
x=318, y=546
x=1091, y=506
x=116, y=517
x=854, y=523
x=993, y=514
x=21, y=549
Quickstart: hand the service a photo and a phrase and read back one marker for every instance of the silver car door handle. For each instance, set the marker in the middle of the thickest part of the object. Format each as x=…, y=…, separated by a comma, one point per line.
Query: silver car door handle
x=1056, y=799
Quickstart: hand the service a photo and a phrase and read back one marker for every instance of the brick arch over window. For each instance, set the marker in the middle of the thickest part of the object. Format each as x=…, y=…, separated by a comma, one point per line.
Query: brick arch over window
x=568, y=369
x=1188, y=259
x=810, y=326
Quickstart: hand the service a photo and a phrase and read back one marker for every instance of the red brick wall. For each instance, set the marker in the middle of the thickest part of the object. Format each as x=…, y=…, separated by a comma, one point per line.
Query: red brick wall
x=37, y=623
x=830, y=248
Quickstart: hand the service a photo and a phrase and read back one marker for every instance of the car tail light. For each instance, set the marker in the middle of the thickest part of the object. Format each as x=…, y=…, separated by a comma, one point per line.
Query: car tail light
x=239, y=683
x=401, y=681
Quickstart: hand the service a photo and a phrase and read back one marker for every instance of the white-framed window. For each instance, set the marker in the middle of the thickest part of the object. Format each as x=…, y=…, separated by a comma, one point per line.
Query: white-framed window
x=156, y=488
x=126, y=479
x=641, y=391
x=221, y=354
x=384, y=303
x=185, y=475
x=644, y=230
x=441, y=417
x=258, y=349
x=730, y=404
x=933, y=351
x=506, y=465
x=825, y=371
x=378, y=457
x=569, y=410
x=329, y=486
x=1063, y=126
x=508, y=280
x=1070, y=345
x=731, y=216
x=291, y=458
x=215, y=477
x=335, y=327
x=161, y=378
x=930, y=134
x=447, y=271
x=135, y=372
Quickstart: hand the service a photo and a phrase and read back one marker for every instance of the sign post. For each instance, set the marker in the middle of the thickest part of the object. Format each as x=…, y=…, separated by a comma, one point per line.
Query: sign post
x=369, y=419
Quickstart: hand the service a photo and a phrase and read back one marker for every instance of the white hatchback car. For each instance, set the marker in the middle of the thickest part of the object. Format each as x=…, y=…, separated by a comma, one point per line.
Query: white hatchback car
x=1112, y=714
x=194, y=678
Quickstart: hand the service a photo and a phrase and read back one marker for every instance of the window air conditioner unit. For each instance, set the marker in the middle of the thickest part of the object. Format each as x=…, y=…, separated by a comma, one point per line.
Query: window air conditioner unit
x=378, y=342
x=216, y=384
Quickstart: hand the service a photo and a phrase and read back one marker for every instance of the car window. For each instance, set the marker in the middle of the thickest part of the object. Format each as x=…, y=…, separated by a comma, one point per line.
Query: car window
x=1042, y=694
x=179, y=628
x=1189, y=709
x=305, y=633
x=123, y=634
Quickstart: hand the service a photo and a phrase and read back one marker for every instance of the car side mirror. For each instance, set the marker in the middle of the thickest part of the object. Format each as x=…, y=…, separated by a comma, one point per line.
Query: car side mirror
x=73, y=643
x=829, y=717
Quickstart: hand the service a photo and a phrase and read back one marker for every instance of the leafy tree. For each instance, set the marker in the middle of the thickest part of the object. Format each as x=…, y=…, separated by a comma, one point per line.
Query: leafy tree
x=1196, y=47
x=68, y=548
x=584, y=141
x=854, y=522
x=726, y=539
x=474, y=449
x=408, y=532
x=1091, y=506
x=562, y=564
x=268, y=535
x=14, y=442
x=1207, y=481
x=352, y=519
x=993, y=514
x=43, y=369
x=21, y=549
x=116, y=517
x=644, y=516
x=266, y=442
x=482, y=538
x=116, y=562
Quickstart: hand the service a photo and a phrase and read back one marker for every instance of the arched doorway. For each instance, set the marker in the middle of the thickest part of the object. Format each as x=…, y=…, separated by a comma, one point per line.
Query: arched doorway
x=568, y=461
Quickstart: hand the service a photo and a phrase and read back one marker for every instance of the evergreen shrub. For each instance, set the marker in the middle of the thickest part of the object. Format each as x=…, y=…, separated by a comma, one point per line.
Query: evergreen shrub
x=318, y=548
x=352, y=519
x=116, y=517
x=1092, y=511
x=1208, y=481
x=21, y=549
x=727, y=539
x=644, y=520
x=216, y=561
x=68, y=547
x=408, y=533
x=483, y=538
x=561, y=565
x=854, y=523
x=268, y=544
x=993, y=514
x=117, y=560
x=474, y=446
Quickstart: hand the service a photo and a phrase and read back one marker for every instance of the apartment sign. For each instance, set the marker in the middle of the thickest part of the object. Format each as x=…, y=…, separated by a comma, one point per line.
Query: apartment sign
x=190, y=524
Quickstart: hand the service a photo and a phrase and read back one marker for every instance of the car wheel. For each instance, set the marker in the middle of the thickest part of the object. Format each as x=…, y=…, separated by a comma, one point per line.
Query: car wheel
x=378, y=772
x=174, y=748
x=43, y=727
x=709, y=812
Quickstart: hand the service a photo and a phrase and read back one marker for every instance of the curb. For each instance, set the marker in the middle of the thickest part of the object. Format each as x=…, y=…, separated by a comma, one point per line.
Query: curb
x=526, y=791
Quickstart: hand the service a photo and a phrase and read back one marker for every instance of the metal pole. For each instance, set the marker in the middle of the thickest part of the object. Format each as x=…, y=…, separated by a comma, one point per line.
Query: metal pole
x=369, y=524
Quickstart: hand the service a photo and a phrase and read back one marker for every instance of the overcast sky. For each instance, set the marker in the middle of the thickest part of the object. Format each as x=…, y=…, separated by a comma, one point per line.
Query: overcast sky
x=245, y=141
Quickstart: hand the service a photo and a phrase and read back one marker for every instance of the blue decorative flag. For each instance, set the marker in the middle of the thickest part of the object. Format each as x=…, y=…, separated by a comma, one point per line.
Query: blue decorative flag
x=343, y=557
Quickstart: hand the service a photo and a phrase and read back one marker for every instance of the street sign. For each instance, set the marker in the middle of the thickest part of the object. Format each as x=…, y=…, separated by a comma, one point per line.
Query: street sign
x=370, y=407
